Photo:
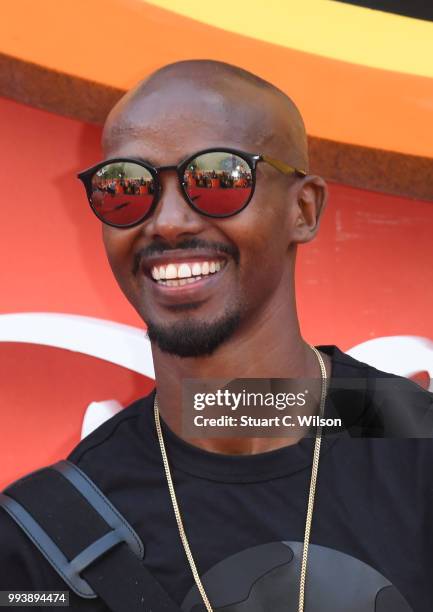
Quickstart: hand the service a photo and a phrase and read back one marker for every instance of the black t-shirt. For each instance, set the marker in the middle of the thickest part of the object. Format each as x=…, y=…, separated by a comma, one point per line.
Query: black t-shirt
x=372, y=535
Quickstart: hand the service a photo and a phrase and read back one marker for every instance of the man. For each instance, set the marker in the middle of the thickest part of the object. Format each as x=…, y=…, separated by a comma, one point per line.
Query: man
x=210, y=270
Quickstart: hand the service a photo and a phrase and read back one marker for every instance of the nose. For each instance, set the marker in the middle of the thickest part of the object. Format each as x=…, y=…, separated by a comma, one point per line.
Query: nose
x=173, y=218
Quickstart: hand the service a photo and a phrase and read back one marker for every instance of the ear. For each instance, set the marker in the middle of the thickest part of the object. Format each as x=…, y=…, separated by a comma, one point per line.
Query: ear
x=311, y=201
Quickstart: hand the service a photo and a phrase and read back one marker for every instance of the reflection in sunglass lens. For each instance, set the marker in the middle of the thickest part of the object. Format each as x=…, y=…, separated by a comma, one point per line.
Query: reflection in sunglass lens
x=218, y=183
x=122, y=192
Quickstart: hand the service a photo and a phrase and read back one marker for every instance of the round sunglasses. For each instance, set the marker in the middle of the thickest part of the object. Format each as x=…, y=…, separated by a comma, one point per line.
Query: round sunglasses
x=217, y=182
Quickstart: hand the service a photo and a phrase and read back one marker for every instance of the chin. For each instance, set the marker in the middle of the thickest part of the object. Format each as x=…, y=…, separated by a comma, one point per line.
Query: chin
x=191, y=337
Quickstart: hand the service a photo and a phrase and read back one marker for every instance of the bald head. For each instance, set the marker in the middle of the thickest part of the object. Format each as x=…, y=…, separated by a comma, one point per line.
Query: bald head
x=218, y=103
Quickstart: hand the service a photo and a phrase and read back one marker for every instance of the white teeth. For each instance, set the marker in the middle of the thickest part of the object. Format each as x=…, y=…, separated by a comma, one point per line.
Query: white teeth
x=196, y=269
x=170, y=271
x=184, y=271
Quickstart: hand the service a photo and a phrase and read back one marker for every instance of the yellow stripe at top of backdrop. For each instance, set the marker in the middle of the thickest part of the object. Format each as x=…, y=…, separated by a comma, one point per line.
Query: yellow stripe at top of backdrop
x=323, y=27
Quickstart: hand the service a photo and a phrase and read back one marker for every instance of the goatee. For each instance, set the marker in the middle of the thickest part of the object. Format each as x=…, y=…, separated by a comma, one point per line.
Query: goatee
x=189, y=338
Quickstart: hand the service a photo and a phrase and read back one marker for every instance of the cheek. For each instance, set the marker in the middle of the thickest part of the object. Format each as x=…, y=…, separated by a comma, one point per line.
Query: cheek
x=262, y=234
x=265, y=229
x=119, y=248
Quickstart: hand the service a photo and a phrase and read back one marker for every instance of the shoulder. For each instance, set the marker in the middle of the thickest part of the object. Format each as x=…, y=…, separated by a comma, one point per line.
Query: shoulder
x=22, y=566
x=402, y=407
x=118, y=431
x=376, y=380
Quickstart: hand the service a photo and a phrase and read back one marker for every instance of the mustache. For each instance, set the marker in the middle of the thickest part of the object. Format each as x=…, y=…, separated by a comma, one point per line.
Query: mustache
x=187, y=243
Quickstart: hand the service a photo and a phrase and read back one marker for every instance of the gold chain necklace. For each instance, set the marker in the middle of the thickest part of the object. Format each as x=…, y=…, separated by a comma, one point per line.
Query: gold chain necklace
x=310, y=506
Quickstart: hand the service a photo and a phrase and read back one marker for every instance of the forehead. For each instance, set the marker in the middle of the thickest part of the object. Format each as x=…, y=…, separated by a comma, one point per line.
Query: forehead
x=172, y=121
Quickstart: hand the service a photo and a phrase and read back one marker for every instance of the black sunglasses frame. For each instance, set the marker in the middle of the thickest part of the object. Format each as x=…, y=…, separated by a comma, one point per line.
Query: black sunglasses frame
x=251, y=159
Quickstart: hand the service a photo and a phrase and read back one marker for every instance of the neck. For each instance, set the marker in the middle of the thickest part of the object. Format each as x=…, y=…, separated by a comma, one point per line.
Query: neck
x=271, y=354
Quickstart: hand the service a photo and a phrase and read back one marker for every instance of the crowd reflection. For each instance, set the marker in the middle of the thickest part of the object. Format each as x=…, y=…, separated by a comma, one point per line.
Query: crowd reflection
x=124, y=186
x=218, y=179
x=211, y=179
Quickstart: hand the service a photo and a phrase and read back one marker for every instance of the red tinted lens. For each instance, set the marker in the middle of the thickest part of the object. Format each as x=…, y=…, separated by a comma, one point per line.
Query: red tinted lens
x=218, y=183
x=122, y=192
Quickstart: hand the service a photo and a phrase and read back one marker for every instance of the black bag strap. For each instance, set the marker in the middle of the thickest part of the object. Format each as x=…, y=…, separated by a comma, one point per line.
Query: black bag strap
x=85, y=538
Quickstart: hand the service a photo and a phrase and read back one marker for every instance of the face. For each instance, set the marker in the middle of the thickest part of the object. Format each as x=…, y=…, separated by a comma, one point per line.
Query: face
x=244, y=262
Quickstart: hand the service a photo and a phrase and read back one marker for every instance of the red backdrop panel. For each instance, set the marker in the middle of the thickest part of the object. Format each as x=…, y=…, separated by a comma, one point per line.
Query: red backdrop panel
x=44, y=394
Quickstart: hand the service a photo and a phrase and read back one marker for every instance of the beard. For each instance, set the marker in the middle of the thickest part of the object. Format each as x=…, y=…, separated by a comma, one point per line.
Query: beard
x=191, y=338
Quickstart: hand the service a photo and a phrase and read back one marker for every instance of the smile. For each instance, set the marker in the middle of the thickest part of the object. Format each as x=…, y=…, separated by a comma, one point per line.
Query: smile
x=186, y=273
